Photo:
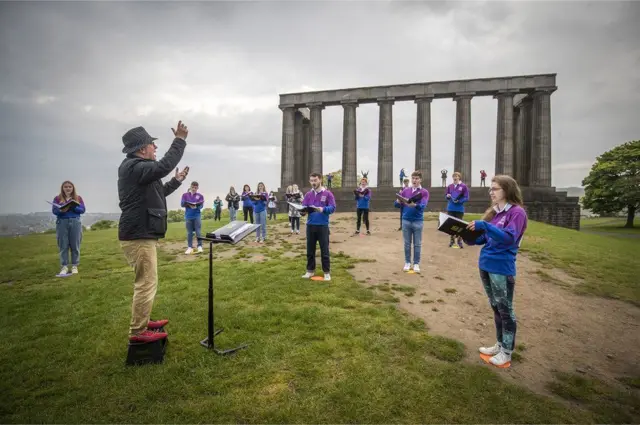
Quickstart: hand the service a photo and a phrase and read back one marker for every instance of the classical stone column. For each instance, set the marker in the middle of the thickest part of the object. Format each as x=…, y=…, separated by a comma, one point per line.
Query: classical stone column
x=504, y=134
x=541, y=166
x=349, y=145
x=526, y=112
x=385, y=143
x=306, y=152
x=287, y=165
x=423, y=138
x=316, y=137
x=518, y=143
x=298, y=149
x=462, y=156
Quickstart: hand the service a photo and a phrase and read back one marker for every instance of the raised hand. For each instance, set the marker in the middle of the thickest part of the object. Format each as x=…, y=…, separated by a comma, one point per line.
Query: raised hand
x=181, y=175
x=181, y=132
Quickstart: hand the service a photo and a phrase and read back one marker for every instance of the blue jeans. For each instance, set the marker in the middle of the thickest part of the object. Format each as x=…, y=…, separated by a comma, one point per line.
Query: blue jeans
x=412, y=230
x=232, y=214
x=261, y=219
x=69, y=235
x=193, y=225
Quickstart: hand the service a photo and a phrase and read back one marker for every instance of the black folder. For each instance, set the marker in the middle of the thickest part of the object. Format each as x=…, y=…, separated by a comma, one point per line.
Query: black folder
x=456, y=227
x=413, y=200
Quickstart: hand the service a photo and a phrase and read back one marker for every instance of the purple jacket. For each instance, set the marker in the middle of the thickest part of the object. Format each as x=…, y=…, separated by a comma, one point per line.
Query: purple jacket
x=413, y=213
x=460, y=194
x=324, y=199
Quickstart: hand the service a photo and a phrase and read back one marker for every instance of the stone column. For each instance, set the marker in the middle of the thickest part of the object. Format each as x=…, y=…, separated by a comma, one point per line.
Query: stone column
x=462, y=157
x=287, y=165
x=541, y=164
x=316, y=137
x=349, y=145
x=385, y=143
x=306, y=151
x=518, y=144
x=423, y=138
x=298, y=149
x=526, y=112
x=504, y=134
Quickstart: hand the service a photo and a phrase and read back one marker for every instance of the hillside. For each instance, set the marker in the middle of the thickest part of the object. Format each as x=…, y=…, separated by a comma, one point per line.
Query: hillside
x=22, y=224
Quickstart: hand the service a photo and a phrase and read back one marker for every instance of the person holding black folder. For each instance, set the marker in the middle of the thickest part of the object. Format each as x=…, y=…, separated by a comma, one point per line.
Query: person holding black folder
x=259, y=200
x=504, y=225
x=68, y=206
x=413, y=200
x=233, y=203
x=192, y=202
x=320, y=204
x=247, y=204
x=363, y=197
x=457, y=194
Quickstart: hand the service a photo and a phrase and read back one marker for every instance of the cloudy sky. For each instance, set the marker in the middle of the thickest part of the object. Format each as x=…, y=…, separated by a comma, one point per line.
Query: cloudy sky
x=75, y=76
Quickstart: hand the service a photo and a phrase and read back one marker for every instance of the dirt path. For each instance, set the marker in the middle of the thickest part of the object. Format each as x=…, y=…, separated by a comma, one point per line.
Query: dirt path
x=559, y=330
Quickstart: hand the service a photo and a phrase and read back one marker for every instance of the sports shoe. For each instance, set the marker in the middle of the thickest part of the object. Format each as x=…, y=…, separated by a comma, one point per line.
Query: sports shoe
x=307, y=275
x=491, y=351
x=500, y=359
x=189, y=251
x=357, y=232
x=63, y=271
x=416, y=268
x=157, y=324
x=74, y=269
x=460, y=244
x=407, y=267
x=199, y=249
x=327, y=276
x=368, y=233
x=148, y=336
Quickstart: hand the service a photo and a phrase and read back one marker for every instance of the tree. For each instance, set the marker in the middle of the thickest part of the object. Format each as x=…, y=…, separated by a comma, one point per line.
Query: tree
x=337, y=179
x=613, y=184
x=175, y=216
x=102, y=225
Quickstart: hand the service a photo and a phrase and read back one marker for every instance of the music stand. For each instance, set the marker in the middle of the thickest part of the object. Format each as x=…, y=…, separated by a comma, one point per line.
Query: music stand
x=232, y=233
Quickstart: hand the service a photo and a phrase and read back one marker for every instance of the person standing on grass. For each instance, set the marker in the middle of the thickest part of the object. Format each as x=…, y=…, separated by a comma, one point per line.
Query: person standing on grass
x=413, y=220
x=192, y=202
x=406, y=185
x=504, y=225
x=323, y=204
x=68, y=226
x=363, y=198
x=260, y=200
x=457, y=194
x=217, y=208
x=233, y=203
x=144, y=218
x=272, y=206
x=247, y=203
x=294, y=196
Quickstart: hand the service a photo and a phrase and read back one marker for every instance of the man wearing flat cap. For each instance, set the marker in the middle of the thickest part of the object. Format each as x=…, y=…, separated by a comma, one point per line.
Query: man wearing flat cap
x=144, y=218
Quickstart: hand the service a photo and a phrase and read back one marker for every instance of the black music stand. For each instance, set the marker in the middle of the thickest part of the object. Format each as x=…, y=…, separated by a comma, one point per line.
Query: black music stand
x=232, y=233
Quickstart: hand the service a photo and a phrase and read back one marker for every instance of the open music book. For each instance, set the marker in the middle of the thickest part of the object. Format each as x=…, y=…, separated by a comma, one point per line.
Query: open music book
x=413, y=200
x=456, y=227
x=302, y=208
x=72, y=203
x=233, y=232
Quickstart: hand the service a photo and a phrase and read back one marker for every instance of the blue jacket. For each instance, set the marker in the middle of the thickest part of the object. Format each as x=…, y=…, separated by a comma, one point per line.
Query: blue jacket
x=74, y=212
x=362, y=202
x=261, y=204
x=188, y=197
x=413, y=213
x=459, y=194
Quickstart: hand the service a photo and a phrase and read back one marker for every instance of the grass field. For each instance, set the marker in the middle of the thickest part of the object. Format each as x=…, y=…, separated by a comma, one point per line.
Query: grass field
x=318, y=352
x=614, y=225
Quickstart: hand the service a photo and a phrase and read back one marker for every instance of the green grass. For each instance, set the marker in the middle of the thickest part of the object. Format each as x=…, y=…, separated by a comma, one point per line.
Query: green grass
x=318, y=352
x=609, y=225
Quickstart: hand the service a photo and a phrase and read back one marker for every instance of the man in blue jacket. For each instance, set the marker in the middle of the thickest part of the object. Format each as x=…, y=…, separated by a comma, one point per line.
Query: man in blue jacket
x=363, y=199
x=457, y=194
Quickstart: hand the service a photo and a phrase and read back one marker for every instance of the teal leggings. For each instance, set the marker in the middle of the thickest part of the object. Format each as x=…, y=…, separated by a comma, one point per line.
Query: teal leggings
x=499, y=289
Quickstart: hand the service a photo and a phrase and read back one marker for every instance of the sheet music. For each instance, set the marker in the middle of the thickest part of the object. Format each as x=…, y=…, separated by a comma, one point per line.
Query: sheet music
x=240, y=230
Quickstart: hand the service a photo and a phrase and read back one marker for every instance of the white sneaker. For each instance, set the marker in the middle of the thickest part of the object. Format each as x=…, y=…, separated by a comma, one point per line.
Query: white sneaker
x=407, y=267
x=327, y=276
x=416, y=268
x=74, y=269
x=491, y=351
x=189, y=251
x=500, y=359
x=64, y=270
x=307, y=275
x=199, y=249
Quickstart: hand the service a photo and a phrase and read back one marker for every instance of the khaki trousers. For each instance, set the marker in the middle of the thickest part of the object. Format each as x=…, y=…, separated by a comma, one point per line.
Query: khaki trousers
x=141, y=254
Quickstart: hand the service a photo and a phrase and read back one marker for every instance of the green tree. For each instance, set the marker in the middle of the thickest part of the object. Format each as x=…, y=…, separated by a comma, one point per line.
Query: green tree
x=175, y=216
x=337, y=179
x=613, y=184
x=207, y=213
x=102, y=225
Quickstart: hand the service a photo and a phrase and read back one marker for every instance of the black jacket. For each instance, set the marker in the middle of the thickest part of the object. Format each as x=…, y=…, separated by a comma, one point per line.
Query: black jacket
x=143, y=196
x=233, y=200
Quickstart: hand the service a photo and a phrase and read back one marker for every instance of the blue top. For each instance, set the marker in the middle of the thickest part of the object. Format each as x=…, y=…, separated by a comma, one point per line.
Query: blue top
x=502, y=238
x=362, y=202
x=459, y=195
x=413, y=213
x=261, y=204
x=246, y=201
x=74, y=212
x=194, y=198
x=324, y=199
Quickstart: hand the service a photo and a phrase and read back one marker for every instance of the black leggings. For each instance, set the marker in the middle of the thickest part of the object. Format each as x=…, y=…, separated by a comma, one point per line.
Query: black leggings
x=295, y=223
x=456, y=214
x=249, y=210
x=361, y=212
